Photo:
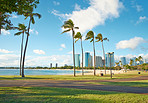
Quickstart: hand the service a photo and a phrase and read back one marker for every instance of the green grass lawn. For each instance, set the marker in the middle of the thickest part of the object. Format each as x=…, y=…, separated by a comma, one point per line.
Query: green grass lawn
x=66, y=95
x=140, y=83
x=78, y=77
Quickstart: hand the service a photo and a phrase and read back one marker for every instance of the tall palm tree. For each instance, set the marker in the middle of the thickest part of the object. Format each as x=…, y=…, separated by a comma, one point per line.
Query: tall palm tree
x=140, y=58
x=77, y=37
x=131, y=62
x=99, y=37
x=136, y=60
x=120, y=63
x=117, y=63
x=69, y=26
x=22, y=29
x=90, y=35
x=31, y=15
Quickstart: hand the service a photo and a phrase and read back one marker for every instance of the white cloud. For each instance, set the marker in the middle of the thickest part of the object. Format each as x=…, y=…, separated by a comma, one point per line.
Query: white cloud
x=139, y=8
x=13, y=60
x=70, y=52
x=39, y=51
x=33, y=31
x=14, y=16
x=5, y=51
x=56, y=3
x=77, y=7
x=141, y=19
x=96, y=14
x=5, y=32
x=129, y=56
x=132, y=43
x=63, y=46
x=61, y=49
x=9, y=60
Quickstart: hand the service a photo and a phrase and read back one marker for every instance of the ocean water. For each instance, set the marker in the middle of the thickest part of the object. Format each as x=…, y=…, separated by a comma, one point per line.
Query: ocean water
x=37, y=72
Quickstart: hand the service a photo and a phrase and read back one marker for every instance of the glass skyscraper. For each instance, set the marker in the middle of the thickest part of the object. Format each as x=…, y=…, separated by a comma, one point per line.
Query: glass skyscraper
x=88, y=59
x=77, y=60
x=109, y=57
x=99, y=61
x=123, y=60
x=134, y=62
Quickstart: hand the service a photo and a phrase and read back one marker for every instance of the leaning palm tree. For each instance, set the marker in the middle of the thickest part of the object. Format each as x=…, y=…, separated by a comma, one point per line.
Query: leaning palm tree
x=22, y=29
x=131, y=62
x=120, y=63
x=99, y=37
x=117, y=63
x=69, y=26
x=140, y=58
x=90, y=35
x=136, y=60
x=77, y=37
x=31, y=15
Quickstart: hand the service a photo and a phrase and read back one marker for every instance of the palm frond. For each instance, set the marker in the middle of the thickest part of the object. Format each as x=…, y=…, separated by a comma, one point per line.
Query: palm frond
x=66, y=31
x=76, y=27
x=37, y=14
x=18, y=33
x=76, y=40
x=91, y=40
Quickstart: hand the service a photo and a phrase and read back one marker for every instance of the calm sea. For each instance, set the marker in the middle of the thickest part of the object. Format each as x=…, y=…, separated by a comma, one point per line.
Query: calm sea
x=37, y=72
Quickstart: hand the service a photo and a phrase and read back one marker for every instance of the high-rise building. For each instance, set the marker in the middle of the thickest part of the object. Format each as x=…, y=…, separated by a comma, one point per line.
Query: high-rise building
x=56, y=65
x=109, y=59
x=88, y=60
x=103, y=62
x=77, y=60
x=91, y=61
x=141, y=62
x=99, y=61
x=123, y=60
x=50, y=65
x=134, y=62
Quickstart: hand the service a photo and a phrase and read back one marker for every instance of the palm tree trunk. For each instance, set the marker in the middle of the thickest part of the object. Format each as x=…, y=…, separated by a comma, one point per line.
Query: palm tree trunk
x=25, y=50
x=73, y=52
x=94, y=58
x=82, y=57
x=104, y=56
x=21, y=53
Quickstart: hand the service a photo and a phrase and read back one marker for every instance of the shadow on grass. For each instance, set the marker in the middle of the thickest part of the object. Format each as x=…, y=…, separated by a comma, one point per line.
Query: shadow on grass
x=50, y=95
x=132, y=84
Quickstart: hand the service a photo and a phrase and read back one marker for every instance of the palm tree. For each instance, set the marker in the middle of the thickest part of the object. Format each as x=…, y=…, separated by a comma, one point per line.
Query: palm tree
x=69, y=26
x=117, y=63
x=22, y=29
x=120, y=63
x=140, y=58
x=31, y=15
x=90, y=35
x=5, y=23
x=99, y=37
x=131, y=62
x=77, y=37
x=136, y=60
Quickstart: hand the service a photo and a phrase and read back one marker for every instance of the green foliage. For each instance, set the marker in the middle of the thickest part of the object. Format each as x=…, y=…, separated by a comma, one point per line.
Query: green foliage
x=90, y=35
x=7, y=7
x=66, y=95
x=78, y=36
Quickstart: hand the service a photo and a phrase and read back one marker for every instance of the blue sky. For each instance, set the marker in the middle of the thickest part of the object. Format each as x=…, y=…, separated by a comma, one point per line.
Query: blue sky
x=123, y=22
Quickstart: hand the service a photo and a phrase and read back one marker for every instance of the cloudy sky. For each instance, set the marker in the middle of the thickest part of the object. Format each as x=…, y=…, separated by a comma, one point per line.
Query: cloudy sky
x=123, y=22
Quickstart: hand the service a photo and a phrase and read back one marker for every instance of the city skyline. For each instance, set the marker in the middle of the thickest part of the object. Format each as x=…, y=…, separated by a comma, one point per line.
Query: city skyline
x=47, y=44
